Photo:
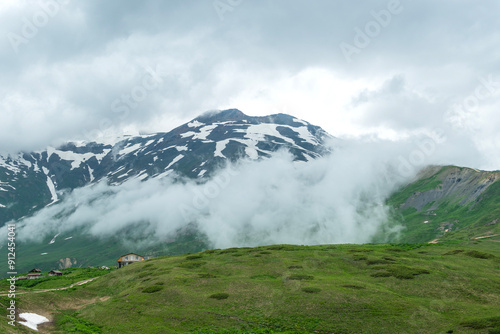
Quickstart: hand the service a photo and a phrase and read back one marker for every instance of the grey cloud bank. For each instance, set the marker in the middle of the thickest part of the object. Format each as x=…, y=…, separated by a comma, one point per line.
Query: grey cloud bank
x=71, y=69
x=336, y=199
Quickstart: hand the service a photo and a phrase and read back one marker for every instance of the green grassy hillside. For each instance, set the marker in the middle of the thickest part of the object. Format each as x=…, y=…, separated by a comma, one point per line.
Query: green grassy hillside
x=421, y=288
x=448, y=203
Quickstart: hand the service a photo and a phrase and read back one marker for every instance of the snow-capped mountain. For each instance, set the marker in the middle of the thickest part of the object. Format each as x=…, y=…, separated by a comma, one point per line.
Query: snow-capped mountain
x=31, y=181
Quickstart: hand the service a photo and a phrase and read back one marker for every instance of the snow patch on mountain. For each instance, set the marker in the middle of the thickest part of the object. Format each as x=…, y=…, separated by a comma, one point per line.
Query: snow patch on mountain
x=296, y=120
x=5, y=184
x=164, y=174
x=129, y=149
x=9, y=166
x=176, y=159
x=52, y=190
x=117, y=171
x=50, y=186
x=36, y=168
x=54, y=239
x=142, y=176
x=91, y=174
x=32, y=320
x=75, y=158
x=195, y=124
x=202, y=134
x=24, y=161
x=304, y=133
x=219, y=147
x=257, y=132
x=181, y=148
x=252, y=153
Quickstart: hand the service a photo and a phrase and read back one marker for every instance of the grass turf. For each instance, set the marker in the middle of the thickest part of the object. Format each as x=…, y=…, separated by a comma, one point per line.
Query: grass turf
x=420, y=288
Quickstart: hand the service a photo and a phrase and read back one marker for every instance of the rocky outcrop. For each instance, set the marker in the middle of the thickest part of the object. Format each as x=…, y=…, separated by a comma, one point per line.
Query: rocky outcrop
x=451, y=184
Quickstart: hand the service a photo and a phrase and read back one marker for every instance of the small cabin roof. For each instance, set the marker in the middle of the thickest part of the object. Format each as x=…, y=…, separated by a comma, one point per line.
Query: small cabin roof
x=128, y=255
x=56, y=271
x=132, y=254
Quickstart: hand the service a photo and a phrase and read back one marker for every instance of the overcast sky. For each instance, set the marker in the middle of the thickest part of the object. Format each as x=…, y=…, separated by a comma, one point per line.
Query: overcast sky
x=360, y=69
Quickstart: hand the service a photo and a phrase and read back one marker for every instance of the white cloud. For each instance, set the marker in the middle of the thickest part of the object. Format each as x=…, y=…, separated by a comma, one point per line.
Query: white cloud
x=262, y=58
x=336, y=199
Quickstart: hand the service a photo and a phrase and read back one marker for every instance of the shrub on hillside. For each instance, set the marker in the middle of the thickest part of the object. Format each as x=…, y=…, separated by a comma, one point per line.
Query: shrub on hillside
x=360, y=250
x=229, y=250
x=482, y=323
x=144, y=274
x=191, y=265
x=153, y=288
x=206, y=275
x=381, y=274
x=377, y=261
x=219, y=296
x=353, y=286
x=284, y=247
x=263, y=276
x=479, y=255
x=453, y=252
x=395, y=250
x=72, y=323
x=298, y=277
x=403, y=272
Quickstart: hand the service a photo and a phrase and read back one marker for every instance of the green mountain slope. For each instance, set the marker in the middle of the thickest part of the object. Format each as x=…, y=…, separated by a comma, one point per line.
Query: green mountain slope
x=424, y=288
x=448, y=203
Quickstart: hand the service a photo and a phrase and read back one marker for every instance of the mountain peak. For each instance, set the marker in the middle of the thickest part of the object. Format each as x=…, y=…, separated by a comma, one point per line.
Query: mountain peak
x=221, y=115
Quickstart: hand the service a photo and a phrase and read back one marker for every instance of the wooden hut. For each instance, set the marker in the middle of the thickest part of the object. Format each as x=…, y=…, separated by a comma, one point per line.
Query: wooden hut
x=129, y=259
